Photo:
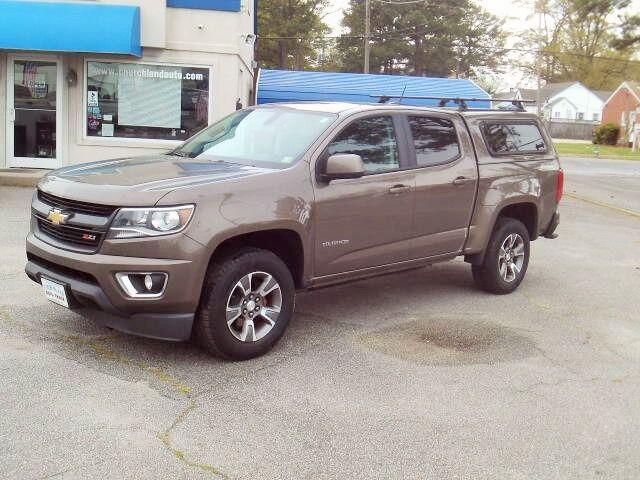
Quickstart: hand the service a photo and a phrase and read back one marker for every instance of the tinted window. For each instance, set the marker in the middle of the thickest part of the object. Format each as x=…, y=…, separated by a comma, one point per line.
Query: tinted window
x=372, y=138
x=434, y=139
x=514, y=138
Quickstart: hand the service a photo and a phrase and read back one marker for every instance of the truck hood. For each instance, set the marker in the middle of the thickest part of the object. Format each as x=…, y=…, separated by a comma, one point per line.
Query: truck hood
x=139, y=180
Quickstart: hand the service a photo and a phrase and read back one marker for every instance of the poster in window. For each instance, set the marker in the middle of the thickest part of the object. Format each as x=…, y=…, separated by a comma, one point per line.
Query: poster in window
x=147, y=101
x=149, y=96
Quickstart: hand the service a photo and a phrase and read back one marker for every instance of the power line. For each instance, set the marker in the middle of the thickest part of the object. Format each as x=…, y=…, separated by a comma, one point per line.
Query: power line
x=496, y=50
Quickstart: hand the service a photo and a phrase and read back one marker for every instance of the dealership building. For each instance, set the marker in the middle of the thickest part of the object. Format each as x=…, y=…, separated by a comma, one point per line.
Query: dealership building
x=91, y=80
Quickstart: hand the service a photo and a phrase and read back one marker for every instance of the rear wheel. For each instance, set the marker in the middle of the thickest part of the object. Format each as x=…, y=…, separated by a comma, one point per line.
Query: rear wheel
x=506, y=258
x=246, y=305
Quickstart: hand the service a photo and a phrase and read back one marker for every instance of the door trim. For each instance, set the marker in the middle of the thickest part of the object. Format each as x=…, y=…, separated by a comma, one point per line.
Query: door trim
x=362, y=273
x=32, y=162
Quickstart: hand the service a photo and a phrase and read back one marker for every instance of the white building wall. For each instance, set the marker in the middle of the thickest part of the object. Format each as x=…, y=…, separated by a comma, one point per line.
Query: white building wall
x=585, y=102
x=217, y=40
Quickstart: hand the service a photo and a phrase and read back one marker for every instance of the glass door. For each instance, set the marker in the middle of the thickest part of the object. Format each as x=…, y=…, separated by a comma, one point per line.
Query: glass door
x=33, y=101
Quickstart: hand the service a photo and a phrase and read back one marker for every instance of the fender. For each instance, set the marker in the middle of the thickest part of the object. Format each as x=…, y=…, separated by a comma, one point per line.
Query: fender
x=484, y=221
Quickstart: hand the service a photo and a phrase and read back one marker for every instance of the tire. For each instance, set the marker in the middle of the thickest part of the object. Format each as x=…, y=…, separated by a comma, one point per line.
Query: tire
x=225, y=296
x=496, y=274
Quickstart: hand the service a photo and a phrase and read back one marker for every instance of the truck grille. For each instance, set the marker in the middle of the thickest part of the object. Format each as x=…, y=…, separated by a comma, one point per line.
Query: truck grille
x=85, y=230
x=73, y=235
x=75, y=206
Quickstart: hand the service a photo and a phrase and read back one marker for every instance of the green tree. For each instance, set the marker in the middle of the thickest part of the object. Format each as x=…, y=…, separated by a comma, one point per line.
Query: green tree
x=429, y=38
x=578, y=40
x=290, y=33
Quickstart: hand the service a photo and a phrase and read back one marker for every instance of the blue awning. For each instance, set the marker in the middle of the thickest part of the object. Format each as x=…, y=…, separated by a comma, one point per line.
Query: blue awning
x=85, y=27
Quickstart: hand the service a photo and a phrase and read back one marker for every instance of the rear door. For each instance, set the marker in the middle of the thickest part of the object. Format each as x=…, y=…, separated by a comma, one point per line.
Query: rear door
x=365, y=222
x=446, y=182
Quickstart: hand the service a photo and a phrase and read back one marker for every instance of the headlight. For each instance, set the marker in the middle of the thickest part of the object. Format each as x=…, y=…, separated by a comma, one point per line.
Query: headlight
x=150, y=222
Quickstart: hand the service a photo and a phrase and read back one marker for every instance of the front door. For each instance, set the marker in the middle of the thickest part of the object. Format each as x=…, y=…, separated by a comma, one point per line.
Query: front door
x=33, y=111
x=365, y=222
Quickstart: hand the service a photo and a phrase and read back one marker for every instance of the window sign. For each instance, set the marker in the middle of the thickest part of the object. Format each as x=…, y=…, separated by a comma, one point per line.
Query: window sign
x=132, y=100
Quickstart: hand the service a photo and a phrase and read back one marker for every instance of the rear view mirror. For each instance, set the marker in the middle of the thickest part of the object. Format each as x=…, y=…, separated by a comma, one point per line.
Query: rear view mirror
x=345, y=165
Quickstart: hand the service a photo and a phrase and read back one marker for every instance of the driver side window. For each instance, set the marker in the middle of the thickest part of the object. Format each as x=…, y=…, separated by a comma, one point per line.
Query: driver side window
x=374, y=139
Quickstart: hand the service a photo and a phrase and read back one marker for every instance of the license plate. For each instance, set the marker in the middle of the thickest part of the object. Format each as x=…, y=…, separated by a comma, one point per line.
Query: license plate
x=55, y=292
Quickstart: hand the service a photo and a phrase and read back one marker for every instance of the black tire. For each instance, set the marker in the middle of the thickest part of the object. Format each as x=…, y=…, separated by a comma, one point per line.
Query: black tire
x=488, y=275
x=211, y=330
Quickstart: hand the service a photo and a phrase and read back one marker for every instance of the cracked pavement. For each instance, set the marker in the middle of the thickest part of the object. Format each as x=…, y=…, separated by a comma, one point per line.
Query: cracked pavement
x=413, y=375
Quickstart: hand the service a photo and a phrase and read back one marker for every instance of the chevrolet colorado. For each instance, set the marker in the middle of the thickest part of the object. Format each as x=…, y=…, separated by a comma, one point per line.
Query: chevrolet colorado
x=211, y=240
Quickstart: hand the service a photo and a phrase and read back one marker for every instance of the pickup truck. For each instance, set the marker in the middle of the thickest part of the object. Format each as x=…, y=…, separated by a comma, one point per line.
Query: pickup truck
x=212, y=240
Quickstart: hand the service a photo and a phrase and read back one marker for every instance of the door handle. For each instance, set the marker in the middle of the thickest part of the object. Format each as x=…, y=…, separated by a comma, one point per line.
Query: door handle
x=398, y=189
x=462, y=180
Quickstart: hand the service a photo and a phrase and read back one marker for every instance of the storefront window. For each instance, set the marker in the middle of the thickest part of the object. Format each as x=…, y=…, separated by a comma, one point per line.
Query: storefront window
x=132, y=100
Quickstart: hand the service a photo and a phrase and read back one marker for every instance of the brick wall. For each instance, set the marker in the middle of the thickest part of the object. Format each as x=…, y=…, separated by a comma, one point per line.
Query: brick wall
x=623, y=101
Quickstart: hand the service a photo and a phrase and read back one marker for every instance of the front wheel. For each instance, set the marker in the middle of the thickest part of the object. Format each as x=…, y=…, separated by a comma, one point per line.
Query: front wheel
x=506, y=258
x=246, y=305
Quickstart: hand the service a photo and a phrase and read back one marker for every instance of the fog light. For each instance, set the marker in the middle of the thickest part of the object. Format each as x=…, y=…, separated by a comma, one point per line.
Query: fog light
x=142, y=284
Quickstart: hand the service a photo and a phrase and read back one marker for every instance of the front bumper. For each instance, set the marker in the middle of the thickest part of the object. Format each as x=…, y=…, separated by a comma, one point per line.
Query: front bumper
x=94, y=292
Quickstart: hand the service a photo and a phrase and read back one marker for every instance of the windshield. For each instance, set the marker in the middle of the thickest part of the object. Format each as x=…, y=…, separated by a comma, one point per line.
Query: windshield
x=264, y=137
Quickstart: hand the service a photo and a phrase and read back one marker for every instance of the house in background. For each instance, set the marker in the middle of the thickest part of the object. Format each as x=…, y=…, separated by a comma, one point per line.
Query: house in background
x=622, y=108
x=570, y=109
x=572, y=101
x=566, y=101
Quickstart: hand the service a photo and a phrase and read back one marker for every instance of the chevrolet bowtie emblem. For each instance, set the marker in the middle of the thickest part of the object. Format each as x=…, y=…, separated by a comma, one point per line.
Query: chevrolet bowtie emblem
x=57, y=217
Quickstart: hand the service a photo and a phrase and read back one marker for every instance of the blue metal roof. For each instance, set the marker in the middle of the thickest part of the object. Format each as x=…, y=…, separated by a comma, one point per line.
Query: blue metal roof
x=86, y=27
x=293, y=86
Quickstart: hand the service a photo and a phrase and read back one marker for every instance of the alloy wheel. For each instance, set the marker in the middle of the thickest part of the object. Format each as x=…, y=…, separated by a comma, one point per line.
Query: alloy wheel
x=253, y=306
x=511, y=257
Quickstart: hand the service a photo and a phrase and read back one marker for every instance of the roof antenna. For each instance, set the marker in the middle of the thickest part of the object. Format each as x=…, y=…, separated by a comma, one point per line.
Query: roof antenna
x=402, y=94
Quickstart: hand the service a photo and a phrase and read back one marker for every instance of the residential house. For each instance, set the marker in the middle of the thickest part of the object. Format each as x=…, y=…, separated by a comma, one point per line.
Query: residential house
x=622, y=108
x=565, y=101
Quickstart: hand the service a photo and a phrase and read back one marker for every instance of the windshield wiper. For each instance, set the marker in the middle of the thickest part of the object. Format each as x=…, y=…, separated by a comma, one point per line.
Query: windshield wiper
x=180, y=153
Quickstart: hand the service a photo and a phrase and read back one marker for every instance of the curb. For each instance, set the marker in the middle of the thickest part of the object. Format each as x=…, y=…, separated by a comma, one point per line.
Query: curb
x=21, y=177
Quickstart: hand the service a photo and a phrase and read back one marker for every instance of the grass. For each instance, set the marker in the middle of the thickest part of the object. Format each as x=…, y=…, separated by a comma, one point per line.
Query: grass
x=601, y=151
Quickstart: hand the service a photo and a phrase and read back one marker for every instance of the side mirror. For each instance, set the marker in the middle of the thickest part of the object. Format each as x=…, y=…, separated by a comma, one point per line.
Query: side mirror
x=345, y=165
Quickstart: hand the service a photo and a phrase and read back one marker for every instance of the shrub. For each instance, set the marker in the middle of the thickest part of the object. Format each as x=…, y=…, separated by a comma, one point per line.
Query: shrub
x=607, y=134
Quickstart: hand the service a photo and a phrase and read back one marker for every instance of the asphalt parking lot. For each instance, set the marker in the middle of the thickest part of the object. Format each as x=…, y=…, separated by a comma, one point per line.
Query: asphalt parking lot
x=416, y=375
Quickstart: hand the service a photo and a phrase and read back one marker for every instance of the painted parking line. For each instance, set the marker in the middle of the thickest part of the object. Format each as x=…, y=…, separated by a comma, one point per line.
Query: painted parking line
x=624, y=211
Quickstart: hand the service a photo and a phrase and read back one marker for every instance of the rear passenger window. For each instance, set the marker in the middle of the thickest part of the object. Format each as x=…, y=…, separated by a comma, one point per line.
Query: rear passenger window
x=372, y=138
x=434, y=139
x=513, y=138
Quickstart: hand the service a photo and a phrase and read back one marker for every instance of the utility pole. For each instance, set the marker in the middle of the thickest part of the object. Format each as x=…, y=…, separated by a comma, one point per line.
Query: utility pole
x=367, y=33
x=539, y=63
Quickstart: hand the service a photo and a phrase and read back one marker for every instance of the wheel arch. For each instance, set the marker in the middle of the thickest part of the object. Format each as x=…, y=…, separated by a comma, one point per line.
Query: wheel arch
x=285, y=243
x=523, y=209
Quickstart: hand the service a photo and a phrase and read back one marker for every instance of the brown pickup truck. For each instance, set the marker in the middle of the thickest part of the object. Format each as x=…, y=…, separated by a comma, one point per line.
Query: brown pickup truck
x=211, y=240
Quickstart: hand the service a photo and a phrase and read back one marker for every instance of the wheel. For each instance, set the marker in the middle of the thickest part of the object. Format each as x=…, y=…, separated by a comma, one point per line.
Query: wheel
x=247, y=302
x=506, y=258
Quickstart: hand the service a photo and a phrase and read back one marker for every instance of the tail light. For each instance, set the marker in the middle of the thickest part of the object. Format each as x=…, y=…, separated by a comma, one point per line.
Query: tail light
x=559, y=185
